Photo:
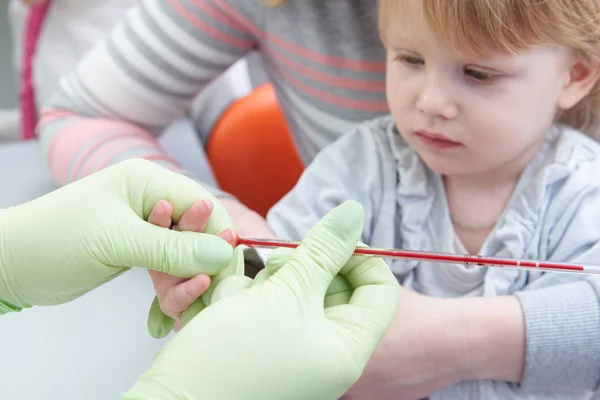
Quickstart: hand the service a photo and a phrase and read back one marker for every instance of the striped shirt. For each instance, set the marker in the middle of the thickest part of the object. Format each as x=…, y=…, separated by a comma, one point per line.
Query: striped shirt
x=324, y=59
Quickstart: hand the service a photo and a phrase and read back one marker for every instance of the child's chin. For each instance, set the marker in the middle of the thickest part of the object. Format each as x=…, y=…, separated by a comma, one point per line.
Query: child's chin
x=444, y=167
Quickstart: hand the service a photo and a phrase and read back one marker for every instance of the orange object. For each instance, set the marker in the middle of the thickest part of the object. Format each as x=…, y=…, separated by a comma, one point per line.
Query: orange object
x=251, y=151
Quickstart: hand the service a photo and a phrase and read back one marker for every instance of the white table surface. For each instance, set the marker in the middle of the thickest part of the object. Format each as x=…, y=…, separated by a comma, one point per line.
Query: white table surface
x=92, y=348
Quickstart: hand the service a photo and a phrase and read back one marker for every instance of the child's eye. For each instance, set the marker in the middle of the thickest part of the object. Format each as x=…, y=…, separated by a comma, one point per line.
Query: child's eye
x=410, y=60
x=478, y=75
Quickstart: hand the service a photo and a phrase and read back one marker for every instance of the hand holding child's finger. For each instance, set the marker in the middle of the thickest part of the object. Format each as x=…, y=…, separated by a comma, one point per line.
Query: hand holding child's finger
x=175, y=295
x=196, y=217
x=163, y=283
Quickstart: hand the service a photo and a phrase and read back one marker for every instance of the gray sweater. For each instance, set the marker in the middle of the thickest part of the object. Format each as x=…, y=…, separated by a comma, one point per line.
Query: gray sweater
x=554, y=214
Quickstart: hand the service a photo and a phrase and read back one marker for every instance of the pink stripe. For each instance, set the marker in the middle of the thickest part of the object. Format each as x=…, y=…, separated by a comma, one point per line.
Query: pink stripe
x=35, y=21
x=335, y=81
x=331, y=61
x=232, y=13
x=104, y=155
x=50, y=115
x=174, y=168
x=223, y=37
x=361, y=105
x=89, y=155
x=73, y=136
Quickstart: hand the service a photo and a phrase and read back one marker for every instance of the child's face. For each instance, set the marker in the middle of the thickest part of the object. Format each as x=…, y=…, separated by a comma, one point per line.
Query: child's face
x=466, y=115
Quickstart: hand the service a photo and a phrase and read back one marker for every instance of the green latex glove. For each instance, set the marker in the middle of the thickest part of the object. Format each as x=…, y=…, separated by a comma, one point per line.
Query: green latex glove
x=62, y=245
x=276, y=339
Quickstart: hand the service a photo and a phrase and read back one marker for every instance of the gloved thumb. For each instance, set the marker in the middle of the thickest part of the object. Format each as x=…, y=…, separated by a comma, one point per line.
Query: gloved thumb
x=326, y=248
x=338, y=292
x=182, y=254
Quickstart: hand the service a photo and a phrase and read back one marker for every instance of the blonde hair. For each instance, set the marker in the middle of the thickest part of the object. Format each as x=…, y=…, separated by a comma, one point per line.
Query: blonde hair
x=476, y=26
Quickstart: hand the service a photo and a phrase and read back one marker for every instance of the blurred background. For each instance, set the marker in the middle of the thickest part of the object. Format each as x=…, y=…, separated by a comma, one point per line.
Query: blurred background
x=8, y=89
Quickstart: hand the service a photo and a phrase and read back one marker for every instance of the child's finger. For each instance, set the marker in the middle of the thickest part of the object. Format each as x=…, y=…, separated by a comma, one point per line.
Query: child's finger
x=196, y=217
x=179, y=298
x=177, y=327
x=161, y=214
x=228, y=235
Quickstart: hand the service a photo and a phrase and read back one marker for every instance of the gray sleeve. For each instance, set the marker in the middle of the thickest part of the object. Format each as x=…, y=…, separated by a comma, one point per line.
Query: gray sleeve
x=348, y=169
x=563, y=348
x=563, y=337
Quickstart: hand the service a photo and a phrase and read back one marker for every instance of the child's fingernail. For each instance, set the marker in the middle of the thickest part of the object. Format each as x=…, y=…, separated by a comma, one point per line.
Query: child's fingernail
x=205, y=279
x=208, y=204
x=228, y=235
x=201, y=206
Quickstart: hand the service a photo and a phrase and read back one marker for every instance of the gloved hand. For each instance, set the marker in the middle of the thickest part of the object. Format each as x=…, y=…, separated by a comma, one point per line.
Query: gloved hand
x=177, y=299
x=62, y=245
x=275, y=339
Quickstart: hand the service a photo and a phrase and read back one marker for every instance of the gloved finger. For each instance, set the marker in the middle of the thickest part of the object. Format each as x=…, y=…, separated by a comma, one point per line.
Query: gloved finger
x=230, y=286
x=373, y=303
x=235, y=267
x=325, y=250
x=277, y=259
x=338, y=292
x=177, y=189
x=159, y=324
x=196, y=217
x=261, y=276
x=177, y=294
x=182, y=254
x=164, y=314
x=194, y=309
x=161, y=184
x=177, y=298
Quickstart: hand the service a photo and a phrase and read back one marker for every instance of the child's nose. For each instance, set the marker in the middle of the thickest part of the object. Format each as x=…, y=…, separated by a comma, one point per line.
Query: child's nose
x=435, y=99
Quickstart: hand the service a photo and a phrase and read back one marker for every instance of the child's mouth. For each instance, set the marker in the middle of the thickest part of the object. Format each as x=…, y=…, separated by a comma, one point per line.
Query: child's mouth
x=436, y=141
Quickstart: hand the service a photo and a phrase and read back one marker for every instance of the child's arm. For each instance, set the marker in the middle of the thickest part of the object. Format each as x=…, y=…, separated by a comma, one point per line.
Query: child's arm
x=561, y=311
x=134, y=84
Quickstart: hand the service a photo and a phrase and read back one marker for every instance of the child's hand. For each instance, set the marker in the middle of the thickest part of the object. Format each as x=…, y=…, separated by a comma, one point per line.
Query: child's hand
x=174, y=294
x=247, y=223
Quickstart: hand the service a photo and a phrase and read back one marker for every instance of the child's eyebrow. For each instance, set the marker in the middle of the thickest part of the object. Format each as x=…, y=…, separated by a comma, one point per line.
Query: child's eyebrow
x=400, y=42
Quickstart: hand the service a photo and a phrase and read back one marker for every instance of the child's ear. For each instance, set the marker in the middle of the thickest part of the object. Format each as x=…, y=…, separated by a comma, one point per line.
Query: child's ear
x=580, y=80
